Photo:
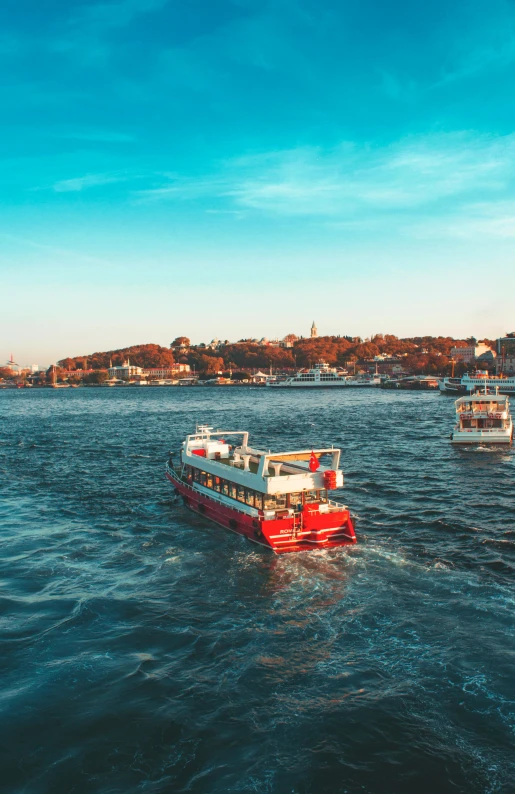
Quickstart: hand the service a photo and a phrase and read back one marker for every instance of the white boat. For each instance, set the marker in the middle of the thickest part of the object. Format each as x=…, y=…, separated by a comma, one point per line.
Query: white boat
x=469, y=383
x=364, y=380
x=323, y=376
x=483, y=418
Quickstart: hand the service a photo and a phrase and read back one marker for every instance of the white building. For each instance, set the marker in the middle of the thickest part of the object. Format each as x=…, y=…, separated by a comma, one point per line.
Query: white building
x=469, y=353
x=166, y=372
x=126, y=371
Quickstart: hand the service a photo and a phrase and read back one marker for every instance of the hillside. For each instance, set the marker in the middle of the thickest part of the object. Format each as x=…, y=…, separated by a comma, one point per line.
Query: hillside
x=148, y=355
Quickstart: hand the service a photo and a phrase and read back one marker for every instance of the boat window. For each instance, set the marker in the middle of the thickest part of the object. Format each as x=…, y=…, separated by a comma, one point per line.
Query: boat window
x=466, y=422
x=202, y=477
x=209, y=481
x=240, y=493
x=232, y=491
x=310, y=496
x=249, y=497
x=280, y=501
x=225, y=488
x=323, y=495
x=269, y=501
x=258, y=501
x=195, y=475
x=216, y=483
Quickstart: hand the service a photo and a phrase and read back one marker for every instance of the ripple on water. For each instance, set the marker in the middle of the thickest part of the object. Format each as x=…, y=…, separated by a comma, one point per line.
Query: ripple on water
x=143, y=649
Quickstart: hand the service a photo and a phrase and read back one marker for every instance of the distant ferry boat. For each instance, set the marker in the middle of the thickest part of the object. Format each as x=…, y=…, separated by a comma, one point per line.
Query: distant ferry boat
x=278, y=500
x=469, y=383
x=483, y=418
x=323, y=376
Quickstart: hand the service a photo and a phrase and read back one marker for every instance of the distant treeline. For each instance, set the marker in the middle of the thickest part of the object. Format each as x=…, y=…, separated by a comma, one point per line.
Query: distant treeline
x=424, y=353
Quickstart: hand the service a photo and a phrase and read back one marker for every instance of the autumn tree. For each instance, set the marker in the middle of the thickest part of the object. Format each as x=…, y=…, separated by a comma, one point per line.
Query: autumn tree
x=68, y=363
x=96, y=378
x=147, y=356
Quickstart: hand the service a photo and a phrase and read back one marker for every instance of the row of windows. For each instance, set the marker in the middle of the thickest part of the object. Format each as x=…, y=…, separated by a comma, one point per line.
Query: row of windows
x=250, y=497
x=482, y=423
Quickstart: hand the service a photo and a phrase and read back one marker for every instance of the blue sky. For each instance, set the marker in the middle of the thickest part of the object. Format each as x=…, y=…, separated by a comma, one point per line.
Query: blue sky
x=235, y=168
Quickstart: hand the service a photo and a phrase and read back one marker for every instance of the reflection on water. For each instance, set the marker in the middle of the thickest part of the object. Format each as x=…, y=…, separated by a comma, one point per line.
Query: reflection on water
x=143, y=649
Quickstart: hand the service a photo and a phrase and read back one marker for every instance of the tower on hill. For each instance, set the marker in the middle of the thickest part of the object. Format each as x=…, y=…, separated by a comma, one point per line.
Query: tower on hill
x=314, y=332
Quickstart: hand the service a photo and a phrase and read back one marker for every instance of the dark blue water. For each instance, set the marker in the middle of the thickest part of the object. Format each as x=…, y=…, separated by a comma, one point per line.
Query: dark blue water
x=145, y=650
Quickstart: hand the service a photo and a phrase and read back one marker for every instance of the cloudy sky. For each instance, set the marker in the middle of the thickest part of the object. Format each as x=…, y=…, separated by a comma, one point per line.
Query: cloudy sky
x=235, y=168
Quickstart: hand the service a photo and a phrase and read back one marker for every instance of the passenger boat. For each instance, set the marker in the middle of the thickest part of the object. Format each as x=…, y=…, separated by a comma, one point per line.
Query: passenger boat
x=469, y=383
x=323, y=376
x=483, y=418
x=276, y=499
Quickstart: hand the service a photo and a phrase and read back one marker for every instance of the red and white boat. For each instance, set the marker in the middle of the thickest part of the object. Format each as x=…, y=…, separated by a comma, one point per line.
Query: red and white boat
x=277, y=499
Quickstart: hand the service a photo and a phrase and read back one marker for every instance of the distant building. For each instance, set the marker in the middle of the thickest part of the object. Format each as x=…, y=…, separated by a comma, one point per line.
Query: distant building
x=165, y=372
x=13, y=366
x=486, y=360
x=314, y=331
x=470, y=353
x=125, y=371
x=77, y=373
x=388, y=365
x=505, y=362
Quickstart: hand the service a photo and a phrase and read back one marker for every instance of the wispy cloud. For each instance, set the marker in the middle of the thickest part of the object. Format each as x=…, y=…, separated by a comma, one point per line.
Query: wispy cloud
x=350, y=184
x=80, y=183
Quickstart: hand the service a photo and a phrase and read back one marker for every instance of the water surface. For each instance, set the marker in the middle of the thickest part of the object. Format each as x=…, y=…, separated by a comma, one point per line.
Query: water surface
x=146, y=650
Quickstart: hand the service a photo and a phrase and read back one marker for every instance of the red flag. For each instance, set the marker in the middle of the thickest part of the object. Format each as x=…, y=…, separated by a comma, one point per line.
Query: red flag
x=313, y=462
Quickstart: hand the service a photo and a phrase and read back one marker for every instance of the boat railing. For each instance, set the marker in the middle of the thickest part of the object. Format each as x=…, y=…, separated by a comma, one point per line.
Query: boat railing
x=335, y=507
x=480, y=429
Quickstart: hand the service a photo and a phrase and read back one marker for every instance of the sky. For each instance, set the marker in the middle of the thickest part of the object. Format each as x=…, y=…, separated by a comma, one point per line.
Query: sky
x=240, y=168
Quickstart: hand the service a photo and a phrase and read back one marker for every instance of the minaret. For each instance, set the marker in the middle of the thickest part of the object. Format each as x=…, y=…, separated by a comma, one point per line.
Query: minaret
x=314, y=332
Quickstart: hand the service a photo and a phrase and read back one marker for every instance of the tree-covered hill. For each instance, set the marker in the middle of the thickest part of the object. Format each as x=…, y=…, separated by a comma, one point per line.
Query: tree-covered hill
x=140, y=355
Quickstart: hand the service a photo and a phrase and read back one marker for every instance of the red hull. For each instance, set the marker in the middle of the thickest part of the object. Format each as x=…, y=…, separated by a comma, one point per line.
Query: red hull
x=310, y=530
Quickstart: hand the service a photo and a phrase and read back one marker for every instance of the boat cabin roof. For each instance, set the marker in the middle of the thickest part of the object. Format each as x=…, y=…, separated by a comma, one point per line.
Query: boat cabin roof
x=485, y=401
x=266, y=471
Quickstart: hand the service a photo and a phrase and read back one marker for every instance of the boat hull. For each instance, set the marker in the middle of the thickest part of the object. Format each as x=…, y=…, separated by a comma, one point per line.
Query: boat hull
x=314, y=530
x=463, y=437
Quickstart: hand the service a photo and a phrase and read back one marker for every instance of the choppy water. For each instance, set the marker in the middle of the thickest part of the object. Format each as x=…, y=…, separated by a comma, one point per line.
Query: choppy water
x=145, y=650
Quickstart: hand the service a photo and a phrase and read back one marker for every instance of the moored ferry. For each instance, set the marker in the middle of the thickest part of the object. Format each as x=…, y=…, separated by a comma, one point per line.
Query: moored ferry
x=483, y=418
x=323, y=376
x=278, y=500
x=469, y=383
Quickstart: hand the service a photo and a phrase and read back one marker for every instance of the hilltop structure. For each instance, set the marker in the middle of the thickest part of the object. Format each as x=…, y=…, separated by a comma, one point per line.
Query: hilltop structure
x=314, y=331
x=505, y=362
